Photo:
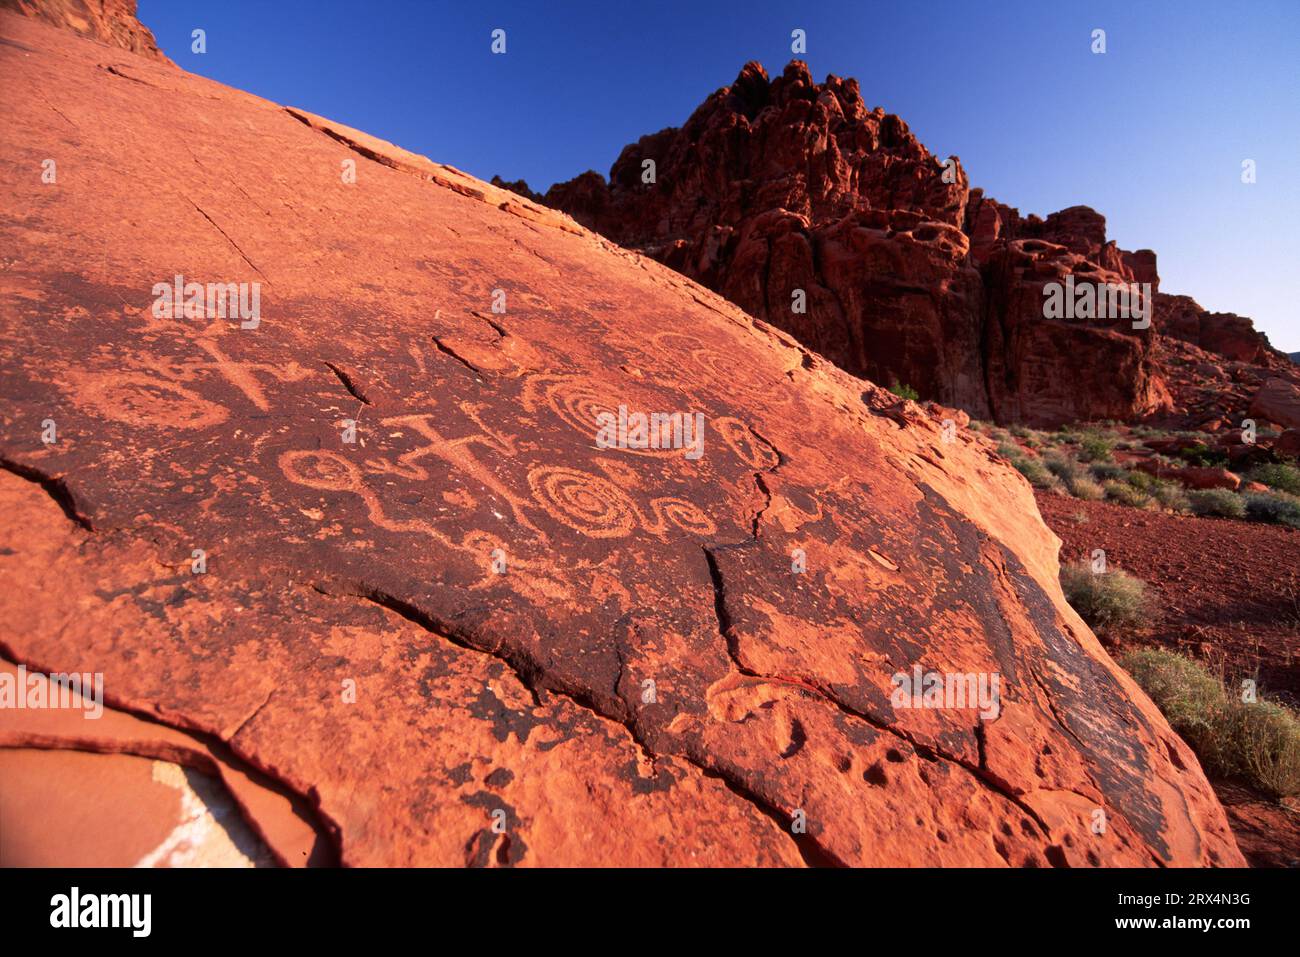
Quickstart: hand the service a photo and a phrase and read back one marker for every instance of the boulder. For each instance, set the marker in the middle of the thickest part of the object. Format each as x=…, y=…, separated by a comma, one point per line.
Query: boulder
x=1202, y=478
x=1287, y=445
x=1278, y=401
x=373, y=537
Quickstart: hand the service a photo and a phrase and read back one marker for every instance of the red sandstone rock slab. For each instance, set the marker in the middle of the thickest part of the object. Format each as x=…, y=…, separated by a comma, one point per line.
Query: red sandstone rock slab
x=78, y=809
x=1278, y=401
x=1202, y=478
x=646, y=679
x=280, y=818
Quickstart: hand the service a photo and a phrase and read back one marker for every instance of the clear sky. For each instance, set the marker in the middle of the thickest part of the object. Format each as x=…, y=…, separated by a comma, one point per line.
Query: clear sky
x=1152, y=133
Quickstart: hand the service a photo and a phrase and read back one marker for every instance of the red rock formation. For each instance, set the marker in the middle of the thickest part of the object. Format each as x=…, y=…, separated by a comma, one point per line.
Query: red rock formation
x=471, y=636
x=909, y=276
x=1278, y=401
x=1223, y=333
x=105, y=21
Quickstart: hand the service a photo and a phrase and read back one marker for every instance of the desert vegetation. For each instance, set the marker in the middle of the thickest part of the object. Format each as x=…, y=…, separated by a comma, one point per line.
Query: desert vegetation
x=1254, y=741
x=1146, y=468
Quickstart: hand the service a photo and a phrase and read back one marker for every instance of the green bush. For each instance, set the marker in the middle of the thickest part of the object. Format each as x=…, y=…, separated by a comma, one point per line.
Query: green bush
x=1284, y=478
x=1106, y=471
x=1121, y=493
x=1096, y=447
x=904, y=391
x=1111, y=603
x=1140, y=480
x=1020, y=432
x=1274, y=509
x=1202, y=455
x=1217, y=502
x=1258, y=742
x=1035, y=471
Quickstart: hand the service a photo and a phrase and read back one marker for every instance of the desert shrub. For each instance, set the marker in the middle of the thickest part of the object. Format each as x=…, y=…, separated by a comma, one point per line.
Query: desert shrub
x=1284, y=478
x=1080, y=486
x=1202, y=455
x=1274, y=509
x=1106, y=471
x=1170, y=495
x=1121, y=493
x=1035, y=471
x=1140, y=480
x=1096, y=447
x=1034, y=442
x=1062, y=467
x=1258, y=742
x=1217, y=502
x=1008, y=451
x=1020, y=432
x=904, y=391
x=1266, y=740
x=1111, y=602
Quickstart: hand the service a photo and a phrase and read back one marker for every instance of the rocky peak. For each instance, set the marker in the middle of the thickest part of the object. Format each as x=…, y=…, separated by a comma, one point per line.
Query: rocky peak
x=106, y=21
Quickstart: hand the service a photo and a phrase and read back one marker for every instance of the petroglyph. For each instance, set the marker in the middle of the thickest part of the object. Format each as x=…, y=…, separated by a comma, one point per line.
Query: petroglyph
x=749, y=447
x=581, y=403
x=598, y=508
x=456, y=453
x=139, y=399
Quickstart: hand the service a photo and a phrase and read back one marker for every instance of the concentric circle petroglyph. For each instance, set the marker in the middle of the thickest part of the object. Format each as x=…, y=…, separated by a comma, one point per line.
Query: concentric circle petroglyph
x=580, y=401
x=586, y=503
x=315, y=468
x=687, y=516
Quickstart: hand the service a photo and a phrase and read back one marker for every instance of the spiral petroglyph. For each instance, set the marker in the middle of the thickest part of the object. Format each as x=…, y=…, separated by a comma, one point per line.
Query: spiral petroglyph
x=586, y=503
x=687, y=516
x=584, y=405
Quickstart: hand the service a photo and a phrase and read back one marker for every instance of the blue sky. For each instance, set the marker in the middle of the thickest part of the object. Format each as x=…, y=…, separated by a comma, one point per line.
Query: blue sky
x=1152, y=133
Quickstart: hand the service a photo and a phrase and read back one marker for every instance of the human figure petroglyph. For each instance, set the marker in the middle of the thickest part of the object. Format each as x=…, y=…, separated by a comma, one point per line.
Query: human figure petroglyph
x=456, y=453
x=242, y=375
x=333, y=472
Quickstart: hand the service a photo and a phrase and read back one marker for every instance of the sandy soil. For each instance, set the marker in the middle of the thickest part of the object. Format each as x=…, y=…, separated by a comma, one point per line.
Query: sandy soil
x=1228, y=594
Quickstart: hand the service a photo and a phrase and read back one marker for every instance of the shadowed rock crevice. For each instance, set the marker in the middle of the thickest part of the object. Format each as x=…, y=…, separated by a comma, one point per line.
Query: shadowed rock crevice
x=55, y=487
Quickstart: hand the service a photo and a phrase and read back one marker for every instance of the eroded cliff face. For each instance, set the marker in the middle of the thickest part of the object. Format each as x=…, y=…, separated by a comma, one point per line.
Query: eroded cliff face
x=112, y=22
x=431, y=607
x=907, y=275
